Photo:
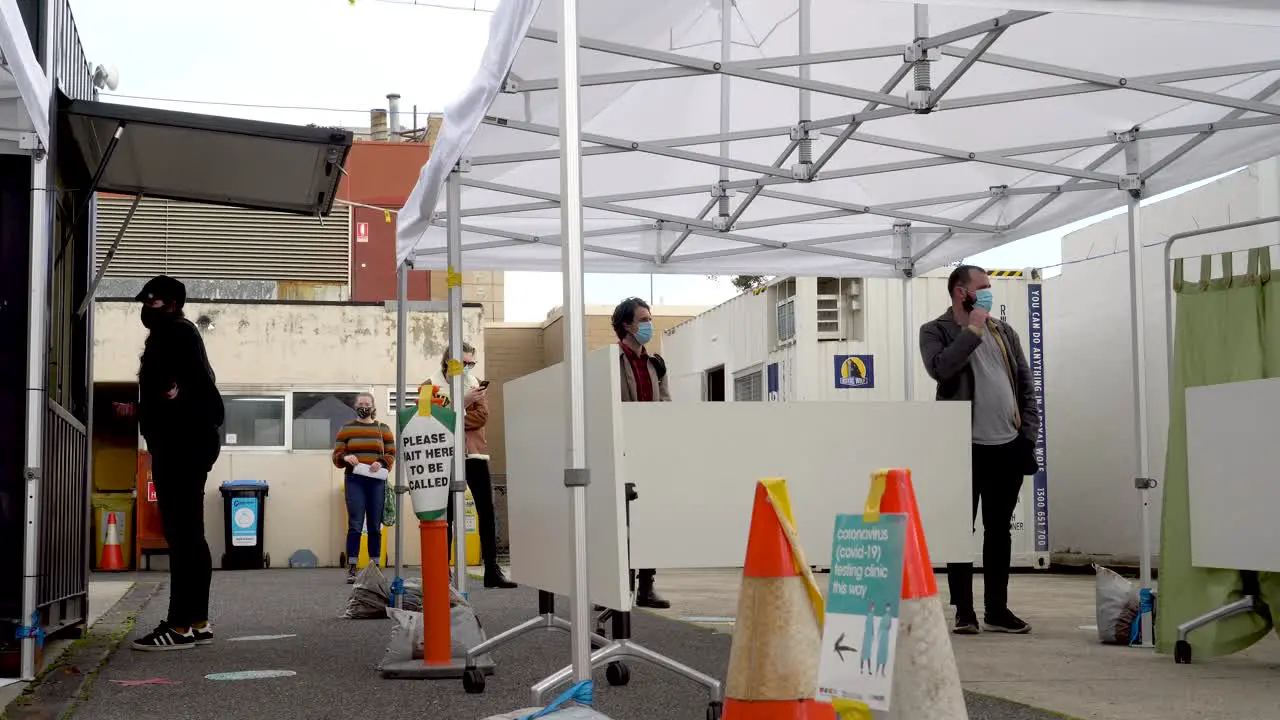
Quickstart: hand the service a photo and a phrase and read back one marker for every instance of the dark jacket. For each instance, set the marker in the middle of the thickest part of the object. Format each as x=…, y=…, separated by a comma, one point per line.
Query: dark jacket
x=945, y=348
x=174, y=354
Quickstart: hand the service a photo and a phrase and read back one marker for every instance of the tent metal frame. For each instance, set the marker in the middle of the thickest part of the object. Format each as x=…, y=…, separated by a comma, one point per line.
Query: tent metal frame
x=917, y=234
x=729, y=225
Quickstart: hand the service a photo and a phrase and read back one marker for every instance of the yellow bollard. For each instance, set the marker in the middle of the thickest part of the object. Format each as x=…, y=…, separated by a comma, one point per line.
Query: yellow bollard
x=472, y=534
x=363, y=561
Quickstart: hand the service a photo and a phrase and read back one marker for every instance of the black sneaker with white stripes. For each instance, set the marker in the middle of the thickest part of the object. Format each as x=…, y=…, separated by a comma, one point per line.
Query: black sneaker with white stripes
x=203, y=635
x=165, y=638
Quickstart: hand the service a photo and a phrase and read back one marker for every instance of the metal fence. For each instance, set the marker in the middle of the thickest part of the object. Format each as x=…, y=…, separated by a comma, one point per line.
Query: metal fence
x=64, y=521
x=75, y=77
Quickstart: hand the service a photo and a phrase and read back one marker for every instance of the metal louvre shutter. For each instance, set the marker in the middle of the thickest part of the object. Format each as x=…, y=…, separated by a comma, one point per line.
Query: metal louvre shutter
x=410, y=398
x=193, y=240
x=748, y=388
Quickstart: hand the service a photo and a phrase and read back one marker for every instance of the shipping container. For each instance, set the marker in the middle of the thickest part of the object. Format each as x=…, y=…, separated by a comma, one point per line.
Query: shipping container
x=842, y=340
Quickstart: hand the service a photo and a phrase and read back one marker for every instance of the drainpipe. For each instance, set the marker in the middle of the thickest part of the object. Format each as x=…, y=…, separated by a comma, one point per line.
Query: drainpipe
x=37, y=366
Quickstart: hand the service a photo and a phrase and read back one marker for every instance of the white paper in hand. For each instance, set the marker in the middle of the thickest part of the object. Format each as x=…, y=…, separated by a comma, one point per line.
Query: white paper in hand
x=368, y=471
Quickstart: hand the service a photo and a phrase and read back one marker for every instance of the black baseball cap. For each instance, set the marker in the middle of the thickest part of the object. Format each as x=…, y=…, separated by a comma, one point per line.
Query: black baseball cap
x=163, y=287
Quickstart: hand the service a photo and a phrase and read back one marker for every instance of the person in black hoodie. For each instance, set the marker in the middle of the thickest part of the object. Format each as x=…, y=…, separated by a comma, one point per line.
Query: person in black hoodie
x=180, y=413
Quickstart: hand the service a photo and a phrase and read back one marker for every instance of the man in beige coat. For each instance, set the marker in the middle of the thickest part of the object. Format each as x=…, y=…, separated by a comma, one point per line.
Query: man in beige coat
x=644, y=379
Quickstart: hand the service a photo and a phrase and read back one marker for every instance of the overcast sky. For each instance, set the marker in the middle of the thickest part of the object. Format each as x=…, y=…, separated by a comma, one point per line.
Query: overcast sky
x=329, y=62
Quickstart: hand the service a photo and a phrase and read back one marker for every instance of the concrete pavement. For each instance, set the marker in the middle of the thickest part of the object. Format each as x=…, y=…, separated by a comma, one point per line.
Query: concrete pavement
x=1061, y=666
x=286, y=620
x=103, y=594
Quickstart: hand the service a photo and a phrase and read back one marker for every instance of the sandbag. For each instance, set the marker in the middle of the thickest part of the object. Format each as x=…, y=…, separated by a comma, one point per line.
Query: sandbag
x=572, y=712
x=574, y=704
x=371, y=595
x=407, y=640
x=1118, y=606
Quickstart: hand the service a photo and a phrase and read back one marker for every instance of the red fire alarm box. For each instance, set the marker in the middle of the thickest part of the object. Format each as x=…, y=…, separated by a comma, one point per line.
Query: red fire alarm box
x=150, y=531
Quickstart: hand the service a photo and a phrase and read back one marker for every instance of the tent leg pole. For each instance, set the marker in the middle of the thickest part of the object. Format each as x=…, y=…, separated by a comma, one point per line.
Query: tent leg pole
x=907, y=270
x=805, y=22
x=726, y=55
x=576, y=475
x=1144, y=482
x=402, y=316
x=453, y=205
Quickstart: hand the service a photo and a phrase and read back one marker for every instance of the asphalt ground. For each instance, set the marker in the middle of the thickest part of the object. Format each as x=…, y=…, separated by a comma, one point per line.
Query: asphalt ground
x=334, y=662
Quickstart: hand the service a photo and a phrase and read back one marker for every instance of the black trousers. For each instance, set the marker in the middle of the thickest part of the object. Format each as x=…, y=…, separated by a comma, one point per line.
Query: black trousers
x=481, y=486
x=180, y=475
x=997, y=480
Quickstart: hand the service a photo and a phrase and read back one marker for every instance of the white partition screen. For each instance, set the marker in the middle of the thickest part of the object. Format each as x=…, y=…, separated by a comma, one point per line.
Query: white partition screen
x=695, y=466
x=1232, y=457
x=536, y=408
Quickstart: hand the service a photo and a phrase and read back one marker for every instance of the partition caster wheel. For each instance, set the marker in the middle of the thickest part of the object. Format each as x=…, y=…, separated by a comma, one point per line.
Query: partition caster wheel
x=266, y=561
x=1182, y=653
x=617, y=673
x=714, y=710
x=473, y=681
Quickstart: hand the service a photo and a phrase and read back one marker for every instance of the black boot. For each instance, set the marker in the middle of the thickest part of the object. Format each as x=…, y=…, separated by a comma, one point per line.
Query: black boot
x=647, y=597
x=494, y=578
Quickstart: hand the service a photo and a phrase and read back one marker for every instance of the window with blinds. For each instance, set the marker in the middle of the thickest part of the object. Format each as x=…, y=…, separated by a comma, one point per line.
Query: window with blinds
x=193, y=240
x=749, y=387
x=784, y=324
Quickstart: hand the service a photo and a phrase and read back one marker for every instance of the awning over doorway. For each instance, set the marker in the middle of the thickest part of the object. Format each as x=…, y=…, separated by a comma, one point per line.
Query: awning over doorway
x=205, y=158
x=24, y=88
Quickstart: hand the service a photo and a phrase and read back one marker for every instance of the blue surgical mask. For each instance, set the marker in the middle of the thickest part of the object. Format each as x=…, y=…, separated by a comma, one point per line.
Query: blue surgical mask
x=983, y=299
x=644, y=333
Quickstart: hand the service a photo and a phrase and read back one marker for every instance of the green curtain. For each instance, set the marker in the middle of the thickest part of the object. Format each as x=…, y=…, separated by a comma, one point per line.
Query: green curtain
x=1226, y=330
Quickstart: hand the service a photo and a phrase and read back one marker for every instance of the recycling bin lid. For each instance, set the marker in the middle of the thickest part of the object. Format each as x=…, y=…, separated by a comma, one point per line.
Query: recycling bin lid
x=244, y=484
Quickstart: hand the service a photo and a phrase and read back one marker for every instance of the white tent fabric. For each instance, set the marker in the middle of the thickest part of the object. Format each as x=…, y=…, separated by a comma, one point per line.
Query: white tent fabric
x=1022, y=138
x=25, y=91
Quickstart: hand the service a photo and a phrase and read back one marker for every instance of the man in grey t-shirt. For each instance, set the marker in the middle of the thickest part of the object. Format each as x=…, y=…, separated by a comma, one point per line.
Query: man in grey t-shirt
x=977, y=358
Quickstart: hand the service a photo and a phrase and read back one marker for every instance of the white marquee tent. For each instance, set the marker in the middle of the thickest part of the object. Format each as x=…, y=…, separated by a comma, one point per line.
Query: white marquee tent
x=833, y=137
x=1021, y=138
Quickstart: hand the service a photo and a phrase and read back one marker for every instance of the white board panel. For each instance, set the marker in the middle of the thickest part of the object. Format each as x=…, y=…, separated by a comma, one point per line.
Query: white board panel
x=1232, y=457
x=536, y=410
x=695, y=466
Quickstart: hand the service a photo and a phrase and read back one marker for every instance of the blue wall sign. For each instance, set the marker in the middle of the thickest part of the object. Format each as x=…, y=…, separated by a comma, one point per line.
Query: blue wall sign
x=771, y=375
x=855, y=372
x=1040, y=482
x=244, y=521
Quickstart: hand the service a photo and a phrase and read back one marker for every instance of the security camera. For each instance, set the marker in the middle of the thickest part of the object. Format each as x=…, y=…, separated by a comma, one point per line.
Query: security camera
x=106, y=76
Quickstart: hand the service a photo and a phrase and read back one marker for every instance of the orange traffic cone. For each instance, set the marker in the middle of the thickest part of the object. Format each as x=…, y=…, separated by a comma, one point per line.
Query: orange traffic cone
x=773, y=664
x=926, y=682
x=112, y=555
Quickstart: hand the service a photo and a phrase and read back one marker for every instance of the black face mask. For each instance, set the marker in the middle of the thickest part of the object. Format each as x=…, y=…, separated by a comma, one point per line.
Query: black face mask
x=153, y=317
x=365, y=412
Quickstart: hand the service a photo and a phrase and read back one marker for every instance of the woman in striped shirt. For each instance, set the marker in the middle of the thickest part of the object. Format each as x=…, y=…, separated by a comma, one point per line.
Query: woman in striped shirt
x=364, y=441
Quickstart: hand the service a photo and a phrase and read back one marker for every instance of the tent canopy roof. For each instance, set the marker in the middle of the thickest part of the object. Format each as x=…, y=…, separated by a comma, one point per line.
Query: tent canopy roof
x=208, y=159
x=1038, y=114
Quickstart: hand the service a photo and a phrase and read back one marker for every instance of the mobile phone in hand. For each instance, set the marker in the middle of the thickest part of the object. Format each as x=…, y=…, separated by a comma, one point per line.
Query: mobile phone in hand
x=484, y=384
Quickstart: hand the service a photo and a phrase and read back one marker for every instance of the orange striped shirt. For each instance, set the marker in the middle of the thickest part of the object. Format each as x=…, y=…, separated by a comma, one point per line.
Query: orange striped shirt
x=369, y=442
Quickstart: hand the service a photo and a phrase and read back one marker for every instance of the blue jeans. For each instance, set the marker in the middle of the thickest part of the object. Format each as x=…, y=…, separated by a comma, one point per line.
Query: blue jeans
x=366, y=497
